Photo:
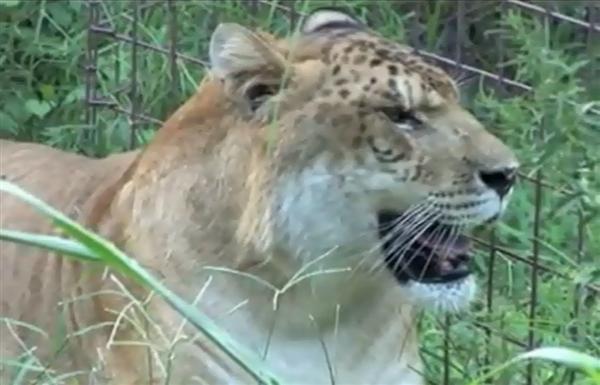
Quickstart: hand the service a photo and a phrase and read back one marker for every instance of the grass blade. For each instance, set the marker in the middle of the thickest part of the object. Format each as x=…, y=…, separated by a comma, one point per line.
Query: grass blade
x=112, y=256
x=60, y=245
x=563, y=356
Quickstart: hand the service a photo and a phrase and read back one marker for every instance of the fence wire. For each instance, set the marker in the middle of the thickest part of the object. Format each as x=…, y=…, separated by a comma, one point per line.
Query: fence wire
x=102, y=27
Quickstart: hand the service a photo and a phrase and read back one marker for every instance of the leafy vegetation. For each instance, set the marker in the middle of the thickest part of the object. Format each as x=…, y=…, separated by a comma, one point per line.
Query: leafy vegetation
x=555, y=129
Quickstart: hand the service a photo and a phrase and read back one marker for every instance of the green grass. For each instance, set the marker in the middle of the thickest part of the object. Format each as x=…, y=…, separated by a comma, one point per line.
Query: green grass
x=554, y=129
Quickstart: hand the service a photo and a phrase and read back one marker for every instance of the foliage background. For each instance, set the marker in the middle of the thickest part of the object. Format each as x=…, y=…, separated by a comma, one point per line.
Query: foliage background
x=555, y=130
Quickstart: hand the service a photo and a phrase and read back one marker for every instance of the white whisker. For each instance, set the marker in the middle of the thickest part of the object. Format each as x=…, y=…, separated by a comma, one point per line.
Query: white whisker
x=406, y=227
x=403, y=247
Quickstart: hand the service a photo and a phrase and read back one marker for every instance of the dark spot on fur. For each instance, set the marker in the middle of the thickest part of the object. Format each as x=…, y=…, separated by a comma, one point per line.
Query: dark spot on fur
x=361, y=104
x=373, y=80
x=326, y=92
x=342, y=120
x=344, y=93
x=323, y=111
x=336, y=69
x=341, y=82
x=320, y=117
x=392, y=69
x=375, y=62
x=392, y=84
x=383, y=53
x=324, y=107
x=413, y=61
x=360, y=59
x=298, y=121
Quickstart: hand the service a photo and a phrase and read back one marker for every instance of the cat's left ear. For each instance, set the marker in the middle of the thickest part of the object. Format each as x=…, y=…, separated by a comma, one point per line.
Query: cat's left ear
x=323, y=19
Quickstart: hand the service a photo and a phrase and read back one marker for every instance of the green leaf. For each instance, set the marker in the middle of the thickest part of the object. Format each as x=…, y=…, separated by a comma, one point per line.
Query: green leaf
x=47, y=91
x=15, y=107
x=75, y=95
x=7, y=124
x=37, y=107
x=61, y=14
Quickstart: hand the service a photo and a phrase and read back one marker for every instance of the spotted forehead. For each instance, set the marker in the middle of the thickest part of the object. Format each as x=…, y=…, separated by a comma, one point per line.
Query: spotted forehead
x=366, y=59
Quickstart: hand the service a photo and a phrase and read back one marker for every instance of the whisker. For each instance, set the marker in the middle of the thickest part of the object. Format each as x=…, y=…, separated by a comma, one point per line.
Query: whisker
x=406, y=225
x=409, y=232
x=409, y=214
x=416, y=210
x=419, y=226
x=450, y=238
x=416, y=253
x=408, y=237
x=405, y=243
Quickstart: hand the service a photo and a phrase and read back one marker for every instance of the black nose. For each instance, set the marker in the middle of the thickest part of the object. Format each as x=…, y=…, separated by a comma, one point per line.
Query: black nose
x=499, y=180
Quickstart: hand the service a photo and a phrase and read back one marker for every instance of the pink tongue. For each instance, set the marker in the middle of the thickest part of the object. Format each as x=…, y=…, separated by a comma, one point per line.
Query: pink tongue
x=445, y=247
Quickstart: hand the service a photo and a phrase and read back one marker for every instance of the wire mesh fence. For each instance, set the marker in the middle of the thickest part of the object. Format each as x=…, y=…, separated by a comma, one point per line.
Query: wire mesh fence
x=510, y=316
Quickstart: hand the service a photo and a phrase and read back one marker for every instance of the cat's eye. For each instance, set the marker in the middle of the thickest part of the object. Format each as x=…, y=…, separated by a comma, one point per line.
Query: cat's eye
x=257, y=94
x=402, y=116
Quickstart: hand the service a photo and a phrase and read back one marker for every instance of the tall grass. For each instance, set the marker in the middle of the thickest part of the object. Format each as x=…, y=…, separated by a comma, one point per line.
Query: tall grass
x=89, y=247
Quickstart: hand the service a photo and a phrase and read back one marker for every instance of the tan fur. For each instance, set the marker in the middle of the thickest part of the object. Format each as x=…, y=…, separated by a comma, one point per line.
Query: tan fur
x=215, y=188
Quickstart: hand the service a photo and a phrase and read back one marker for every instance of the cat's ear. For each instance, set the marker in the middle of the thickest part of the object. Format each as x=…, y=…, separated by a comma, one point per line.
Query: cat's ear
x=323, y=19
x=235, y=49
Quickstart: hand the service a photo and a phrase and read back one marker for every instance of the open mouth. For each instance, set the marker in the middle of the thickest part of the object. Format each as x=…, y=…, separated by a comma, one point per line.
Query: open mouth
x=434, y=253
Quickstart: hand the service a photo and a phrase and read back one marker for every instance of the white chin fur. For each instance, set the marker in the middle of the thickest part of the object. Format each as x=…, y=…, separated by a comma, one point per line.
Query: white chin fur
x=443, y=297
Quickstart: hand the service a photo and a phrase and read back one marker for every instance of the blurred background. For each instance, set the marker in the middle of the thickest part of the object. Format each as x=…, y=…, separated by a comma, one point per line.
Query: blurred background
x=99, y=76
